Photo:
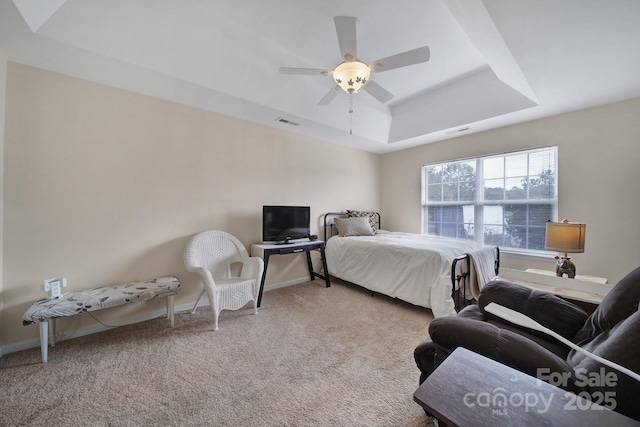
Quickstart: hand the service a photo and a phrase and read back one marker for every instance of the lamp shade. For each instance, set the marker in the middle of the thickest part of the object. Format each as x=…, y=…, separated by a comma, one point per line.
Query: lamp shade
x=565, y=236
x=351, y=76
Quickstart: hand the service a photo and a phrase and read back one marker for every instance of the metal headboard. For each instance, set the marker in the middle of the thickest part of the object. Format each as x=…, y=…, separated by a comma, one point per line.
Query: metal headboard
x=329, y=226
x=460, y=276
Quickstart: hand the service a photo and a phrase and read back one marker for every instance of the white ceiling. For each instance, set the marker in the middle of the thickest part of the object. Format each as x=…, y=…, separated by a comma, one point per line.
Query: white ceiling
x=493, y=62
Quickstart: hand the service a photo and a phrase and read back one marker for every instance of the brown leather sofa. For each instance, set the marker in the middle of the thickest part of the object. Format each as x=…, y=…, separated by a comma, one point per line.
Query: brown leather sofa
x=612, y=331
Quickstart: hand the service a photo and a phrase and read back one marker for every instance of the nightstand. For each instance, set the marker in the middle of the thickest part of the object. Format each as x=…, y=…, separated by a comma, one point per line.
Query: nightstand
x=586, y=291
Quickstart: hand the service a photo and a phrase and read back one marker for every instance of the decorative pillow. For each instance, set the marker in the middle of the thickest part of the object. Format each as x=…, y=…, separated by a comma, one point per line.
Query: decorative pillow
x=371, y=216
x=353, y=227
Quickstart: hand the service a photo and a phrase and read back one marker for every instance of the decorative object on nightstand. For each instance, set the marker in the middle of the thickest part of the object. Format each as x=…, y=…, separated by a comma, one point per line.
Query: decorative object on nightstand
x=565, y=237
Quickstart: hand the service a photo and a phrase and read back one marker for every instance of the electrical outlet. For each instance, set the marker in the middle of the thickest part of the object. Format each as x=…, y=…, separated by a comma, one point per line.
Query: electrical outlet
x=54, y=286
x=55, y=289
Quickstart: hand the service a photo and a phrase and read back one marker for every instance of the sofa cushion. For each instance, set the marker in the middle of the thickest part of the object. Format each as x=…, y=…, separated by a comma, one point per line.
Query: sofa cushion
x=424, y=355
x=549, y=310
x=556, y=347
x=506, y=347
x=620, y=345
x=472, y=312
x=619, y=304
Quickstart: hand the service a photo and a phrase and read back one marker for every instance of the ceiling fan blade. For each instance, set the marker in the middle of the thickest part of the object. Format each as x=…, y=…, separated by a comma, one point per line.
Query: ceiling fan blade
x=305, y=71
x=377, y=91
x=410, y=57
x=346, y=30
x=330, y=96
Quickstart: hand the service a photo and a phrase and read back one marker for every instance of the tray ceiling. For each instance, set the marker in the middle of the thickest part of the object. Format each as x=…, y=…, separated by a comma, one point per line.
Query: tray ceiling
x=493, y=62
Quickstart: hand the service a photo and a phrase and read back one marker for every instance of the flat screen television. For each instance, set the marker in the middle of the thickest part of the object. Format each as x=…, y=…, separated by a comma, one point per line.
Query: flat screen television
x=280, y=224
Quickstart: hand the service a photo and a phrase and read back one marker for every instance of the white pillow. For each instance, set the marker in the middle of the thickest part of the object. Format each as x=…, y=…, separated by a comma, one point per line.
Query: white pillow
x=353, y=227
x=371, y=215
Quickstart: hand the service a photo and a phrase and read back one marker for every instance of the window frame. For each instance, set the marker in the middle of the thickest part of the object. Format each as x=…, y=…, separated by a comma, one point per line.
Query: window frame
x=480, y=201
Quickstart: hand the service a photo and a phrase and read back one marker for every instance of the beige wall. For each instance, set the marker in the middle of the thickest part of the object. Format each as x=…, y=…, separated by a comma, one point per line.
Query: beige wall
x=105, y=186
x=598, y=172
x=3, y=79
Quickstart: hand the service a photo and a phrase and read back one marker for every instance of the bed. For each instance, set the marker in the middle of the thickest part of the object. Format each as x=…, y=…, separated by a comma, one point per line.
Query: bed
x=412, y=267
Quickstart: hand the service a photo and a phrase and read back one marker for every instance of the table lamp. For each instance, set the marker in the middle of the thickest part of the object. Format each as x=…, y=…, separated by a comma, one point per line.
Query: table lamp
x=565, y=237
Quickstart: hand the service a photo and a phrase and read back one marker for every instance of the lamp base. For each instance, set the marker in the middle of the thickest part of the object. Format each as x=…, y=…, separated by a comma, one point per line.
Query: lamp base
x=565, y=266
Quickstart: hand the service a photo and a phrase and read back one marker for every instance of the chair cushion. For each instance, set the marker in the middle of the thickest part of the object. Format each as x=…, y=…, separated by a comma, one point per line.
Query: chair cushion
x=472, y=312
x=620, y=303
x=549, y=310
x=424, y=355
x=504, y=346
x=556, y=347
x=621, y=345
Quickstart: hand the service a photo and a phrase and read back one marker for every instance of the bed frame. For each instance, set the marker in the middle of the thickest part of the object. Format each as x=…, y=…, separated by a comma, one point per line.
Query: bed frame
x=460, y=278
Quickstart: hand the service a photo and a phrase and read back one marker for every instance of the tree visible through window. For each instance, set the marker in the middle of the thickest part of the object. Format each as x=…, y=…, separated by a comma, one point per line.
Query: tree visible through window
x=502, y=200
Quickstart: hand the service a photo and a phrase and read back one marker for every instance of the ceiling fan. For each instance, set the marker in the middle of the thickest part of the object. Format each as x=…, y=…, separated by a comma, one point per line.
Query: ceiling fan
x=353, y=75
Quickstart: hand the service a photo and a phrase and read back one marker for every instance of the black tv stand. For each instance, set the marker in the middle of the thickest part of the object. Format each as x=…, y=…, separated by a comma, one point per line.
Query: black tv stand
x=265, y=250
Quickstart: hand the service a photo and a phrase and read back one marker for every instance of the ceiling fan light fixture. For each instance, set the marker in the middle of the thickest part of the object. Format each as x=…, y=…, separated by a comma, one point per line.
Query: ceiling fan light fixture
x=351, y=76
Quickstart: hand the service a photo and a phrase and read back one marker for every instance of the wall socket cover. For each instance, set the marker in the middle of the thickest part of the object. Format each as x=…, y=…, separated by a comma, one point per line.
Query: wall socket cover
x=54, y=286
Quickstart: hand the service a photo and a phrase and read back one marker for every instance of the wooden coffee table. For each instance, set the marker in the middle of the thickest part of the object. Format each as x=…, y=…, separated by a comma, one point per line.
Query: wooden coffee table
x=468, y=389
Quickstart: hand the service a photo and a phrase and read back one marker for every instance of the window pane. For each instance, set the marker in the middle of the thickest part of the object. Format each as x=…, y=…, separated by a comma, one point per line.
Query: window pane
x=450, y=192
x=526, y=225
x=515, y=189
x=542, y=186
x=516, y=165
x=536, y=238
x=449, y=221
x=494, y=235
x=541, y=161
x=434, y=193
x=434, y=174
x=493, y=215
x=434, y=214
x=493, y=167
x=468, y=170
x=468, y=191
x=494, y=189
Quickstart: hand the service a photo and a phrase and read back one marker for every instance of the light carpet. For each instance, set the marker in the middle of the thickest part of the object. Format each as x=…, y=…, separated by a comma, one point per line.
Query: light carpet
x=313, y=356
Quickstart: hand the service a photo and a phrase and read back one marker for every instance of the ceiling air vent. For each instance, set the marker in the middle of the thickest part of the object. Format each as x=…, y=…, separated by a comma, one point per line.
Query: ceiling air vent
x=289, y=122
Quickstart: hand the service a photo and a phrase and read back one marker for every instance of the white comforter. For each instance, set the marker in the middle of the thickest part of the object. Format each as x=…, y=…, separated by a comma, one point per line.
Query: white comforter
x=412, y=267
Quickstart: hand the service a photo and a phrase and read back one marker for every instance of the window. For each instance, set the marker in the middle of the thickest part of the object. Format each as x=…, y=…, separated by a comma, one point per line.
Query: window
x=503, y=200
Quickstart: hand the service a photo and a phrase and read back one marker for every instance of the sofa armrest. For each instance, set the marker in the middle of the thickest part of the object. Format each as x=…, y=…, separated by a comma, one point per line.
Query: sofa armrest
x=549, y=310
x=506, y=347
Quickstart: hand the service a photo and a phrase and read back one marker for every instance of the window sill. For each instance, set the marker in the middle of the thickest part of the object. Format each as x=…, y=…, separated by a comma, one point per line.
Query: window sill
x=534, y=255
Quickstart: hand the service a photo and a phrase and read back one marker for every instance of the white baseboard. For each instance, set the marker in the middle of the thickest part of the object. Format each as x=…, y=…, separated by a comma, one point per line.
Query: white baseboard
x=97, y=327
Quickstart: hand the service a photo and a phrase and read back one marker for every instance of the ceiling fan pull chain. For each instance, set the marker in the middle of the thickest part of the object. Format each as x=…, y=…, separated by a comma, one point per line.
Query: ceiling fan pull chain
x=351, y=114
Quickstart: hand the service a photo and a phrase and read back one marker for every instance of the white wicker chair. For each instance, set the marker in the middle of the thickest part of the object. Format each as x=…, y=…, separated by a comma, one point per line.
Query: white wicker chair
x=211, y=255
